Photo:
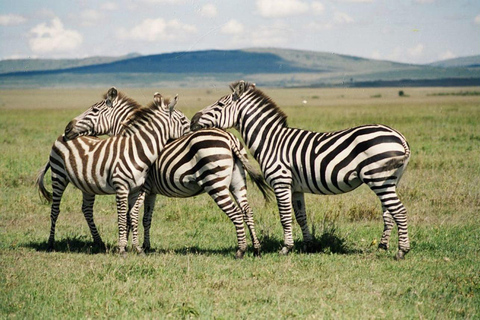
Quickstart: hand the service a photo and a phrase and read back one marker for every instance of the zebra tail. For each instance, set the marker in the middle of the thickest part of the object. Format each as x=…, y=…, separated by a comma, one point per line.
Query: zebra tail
x=42, y=191
x=255, y=175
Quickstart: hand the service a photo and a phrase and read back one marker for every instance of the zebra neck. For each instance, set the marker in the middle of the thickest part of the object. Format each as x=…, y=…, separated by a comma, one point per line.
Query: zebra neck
x=119, y=120
x=261, y=134
x=150, y=138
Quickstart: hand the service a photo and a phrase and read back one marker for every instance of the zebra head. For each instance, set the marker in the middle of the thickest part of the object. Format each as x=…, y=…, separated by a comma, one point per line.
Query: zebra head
x=179, y=123
x=99, y=119
x=224, y=112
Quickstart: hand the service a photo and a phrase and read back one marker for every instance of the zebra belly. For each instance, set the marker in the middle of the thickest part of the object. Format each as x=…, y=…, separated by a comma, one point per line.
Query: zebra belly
x=80, y=164
x=176, y=184
x=185, y=190
x=328, y=188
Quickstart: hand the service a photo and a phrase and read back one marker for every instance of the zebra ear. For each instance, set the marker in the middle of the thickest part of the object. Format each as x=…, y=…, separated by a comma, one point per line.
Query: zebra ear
x=158, y=100
x=172, y=104
x=240, y=88
x=111, y=95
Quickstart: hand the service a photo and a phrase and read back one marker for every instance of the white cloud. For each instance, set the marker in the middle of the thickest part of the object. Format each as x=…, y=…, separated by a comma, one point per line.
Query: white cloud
x=477, y=19
x=447, y=55
x=264, y=36
x=209, y=10
x=158, y=29
x=164, y=1
x=342, y=18
x=376, y=55
x=317, y=7
x=357, y=1
x=339, y=18
x=270, y=35
x=425, y=1
x=396, y=54
x=90, y=17
x=232, y=27
x=54, y=38
x=11, y=19
x=109, y=6
x=318, y=26
x=416, y=51
x=280, y=9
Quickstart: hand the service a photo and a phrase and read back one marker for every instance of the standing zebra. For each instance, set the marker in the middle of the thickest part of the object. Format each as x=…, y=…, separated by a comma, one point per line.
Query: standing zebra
x=117, y=165
x=296, y=161
x=210, y=160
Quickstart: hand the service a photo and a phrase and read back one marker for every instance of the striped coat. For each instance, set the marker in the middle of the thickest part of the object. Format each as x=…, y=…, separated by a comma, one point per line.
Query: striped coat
x=117, y=165
x=296, y=161
x=211, y=161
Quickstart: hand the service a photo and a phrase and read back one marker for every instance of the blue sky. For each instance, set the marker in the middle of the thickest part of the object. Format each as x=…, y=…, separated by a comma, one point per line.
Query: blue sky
x=411, y=31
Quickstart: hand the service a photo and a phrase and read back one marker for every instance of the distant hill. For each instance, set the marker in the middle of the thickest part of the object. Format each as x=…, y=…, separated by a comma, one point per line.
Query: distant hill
x=265, y=66
x=23, y=65
x=469, y=62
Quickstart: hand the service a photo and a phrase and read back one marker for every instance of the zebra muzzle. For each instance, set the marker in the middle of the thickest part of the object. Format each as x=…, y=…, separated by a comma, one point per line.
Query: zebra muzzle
x=70, y=132
x=195, y=127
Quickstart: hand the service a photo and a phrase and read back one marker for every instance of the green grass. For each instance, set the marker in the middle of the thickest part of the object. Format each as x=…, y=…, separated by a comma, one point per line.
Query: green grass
x=192, y=272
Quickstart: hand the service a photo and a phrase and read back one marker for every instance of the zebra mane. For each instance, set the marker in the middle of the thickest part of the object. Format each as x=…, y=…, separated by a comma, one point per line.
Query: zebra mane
x=267, y=104
x=140, y=116
x=127, y=101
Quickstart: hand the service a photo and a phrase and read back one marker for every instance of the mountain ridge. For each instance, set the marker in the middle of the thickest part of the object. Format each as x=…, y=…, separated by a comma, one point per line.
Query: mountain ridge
x=269, y=66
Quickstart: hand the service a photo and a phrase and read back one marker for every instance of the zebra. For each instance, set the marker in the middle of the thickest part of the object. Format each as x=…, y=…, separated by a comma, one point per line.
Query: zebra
x=296, y=161
x=117, y=165
x=209, y=161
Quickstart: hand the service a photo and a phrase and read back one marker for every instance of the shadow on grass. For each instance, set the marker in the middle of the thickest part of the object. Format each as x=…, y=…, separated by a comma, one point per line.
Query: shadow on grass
x=327, y=242
x=71, y=245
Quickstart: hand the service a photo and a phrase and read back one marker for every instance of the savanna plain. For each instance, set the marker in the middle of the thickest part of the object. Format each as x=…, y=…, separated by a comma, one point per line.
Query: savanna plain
x=192, y=272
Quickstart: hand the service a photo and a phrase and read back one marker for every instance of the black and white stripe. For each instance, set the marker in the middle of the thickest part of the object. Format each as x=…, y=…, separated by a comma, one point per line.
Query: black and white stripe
x=211, y=161
x=117, y=165
x=297, y=161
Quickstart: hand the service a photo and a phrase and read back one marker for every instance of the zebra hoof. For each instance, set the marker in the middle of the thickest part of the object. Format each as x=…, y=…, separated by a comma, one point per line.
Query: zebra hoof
x=139, y=251
x=99, y=246
x=239, y=254
x=257, y=252
x=146, y=248
x=122, y=252
x=383, y=246
x=400, y=255
x=50, y=246
x=284, y=251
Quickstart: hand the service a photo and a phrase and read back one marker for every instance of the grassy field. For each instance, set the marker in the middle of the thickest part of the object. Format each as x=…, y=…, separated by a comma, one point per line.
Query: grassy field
x=193, y=273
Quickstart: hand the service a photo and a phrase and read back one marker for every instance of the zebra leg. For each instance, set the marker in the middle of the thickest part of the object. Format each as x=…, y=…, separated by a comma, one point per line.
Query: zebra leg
x=388, y=223
x=149, y=205
x=238, y=189
x=134, y=221
x=284, y=202
x=132, y=198
x=392, y=204
x=248, y=218
x=222, y=198
x=58, y=187
x=298, y=203
x=122, y=208
x=87, y=209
